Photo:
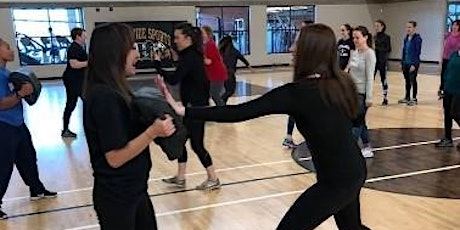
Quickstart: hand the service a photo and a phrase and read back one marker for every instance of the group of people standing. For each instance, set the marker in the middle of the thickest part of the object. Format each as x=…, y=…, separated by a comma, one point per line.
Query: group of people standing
x=335, y=91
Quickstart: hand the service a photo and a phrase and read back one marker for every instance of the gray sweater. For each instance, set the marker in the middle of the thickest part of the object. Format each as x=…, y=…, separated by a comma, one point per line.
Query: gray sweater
x=362, y=67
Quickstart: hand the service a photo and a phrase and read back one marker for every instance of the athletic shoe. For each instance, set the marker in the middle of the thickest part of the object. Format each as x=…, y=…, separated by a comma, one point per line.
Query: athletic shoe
x=403, y=101
x=175, y=181
x=385, y=102
x=43, y=195
x=367, y=152
x=443, y=143
x=68, y=134
x=412, y=102
x=209, y=184
x=289, y=143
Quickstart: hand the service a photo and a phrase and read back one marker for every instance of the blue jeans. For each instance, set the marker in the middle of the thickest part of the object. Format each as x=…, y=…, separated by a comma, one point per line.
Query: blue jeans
x=359, y=125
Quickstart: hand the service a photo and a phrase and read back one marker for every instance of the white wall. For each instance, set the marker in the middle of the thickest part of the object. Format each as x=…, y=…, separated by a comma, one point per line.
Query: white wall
x=336, y=15
x=430, y=16
x=6, y=26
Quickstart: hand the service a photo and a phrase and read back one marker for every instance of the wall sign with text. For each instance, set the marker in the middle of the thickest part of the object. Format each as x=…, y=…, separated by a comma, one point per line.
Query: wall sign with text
x=151, y=37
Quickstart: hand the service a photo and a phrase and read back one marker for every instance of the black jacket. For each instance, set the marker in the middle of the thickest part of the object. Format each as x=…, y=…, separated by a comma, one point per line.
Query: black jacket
x=382, y=46
x=231, y=57
x=191, y=74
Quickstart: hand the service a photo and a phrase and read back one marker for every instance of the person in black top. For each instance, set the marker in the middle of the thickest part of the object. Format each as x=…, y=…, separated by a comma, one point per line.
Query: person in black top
x=194, y=91
x=323, y=102
x=230, y=56
x=73, y=76
x=382, y=50
x=345, y=45
x=118, y=142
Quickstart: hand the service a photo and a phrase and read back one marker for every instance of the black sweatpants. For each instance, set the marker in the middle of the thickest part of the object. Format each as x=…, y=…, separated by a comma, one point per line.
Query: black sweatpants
x=381, y=67
x=321, y=201
x=411, y=81
x=73, y=88
x=290, y=125
x=230, y=85
x=443, y=72
x=450, y=104
x=17, y=149
x=112, y=215
x=195, y=132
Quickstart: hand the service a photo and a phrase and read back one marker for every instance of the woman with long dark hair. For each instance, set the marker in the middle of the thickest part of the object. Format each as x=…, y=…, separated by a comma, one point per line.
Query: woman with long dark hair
x=118, y=143
x=382, y=51
x=322, y=99
x=230, y=56
x=451, y=49
x=345, y=45
x=194, y=91
x=362, y=70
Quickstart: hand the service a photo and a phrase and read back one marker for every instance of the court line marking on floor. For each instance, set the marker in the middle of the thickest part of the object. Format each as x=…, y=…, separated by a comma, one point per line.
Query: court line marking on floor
x=247, y=166
x=189, y=174
x=409, y=145
x=282, y=194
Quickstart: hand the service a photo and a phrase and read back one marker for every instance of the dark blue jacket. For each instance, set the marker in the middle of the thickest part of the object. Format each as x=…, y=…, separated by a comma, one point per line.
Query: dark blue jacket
x=416, y=49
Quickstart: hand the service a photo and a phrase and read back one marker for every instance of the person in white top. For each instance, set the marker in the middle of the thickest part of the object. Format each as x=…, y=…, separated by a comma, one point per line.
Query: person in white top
x=361, y=68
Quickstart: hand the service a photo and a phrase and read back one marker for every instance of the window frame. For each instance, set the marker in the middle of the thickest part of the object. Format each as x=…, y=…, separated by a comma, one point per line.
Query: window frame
x=292, y=32
x=49, y=48
x=221, y=31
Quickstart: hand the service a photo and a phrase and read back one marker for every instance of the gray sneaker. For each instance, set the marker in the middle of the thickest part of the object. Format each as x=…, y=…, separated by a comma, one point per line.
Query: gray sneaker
x=412, y=102
x=209, y=184
x=403, y=101
x=175, y=181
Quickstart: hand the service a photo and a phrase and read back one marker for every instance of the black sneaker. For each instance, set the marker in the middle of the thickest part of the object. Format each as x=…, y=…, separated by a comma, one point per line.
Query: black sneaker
x=385, y=102
x=443, y=143
x=43, y=195
x=68, y=134
x=3, y=215
x=180, y=183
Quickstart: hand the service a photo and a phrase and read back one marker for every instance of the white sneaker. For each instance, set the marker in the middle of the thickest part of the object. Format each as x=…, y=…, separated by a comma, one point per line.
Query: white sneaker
x=367, y=152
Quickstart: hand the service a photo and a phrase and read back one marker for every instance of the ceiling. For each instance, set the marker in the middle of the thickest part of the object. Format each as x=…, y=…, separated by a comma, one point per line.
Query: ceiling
x=121, y=3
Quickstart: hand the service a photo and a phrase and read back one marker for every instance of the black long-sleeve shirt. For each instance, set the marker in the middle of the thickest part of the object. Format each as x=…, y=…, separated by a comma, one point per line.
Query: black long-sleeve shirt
x=335, y=153
x=231, y=57
x=191, y=74
x=382, y=46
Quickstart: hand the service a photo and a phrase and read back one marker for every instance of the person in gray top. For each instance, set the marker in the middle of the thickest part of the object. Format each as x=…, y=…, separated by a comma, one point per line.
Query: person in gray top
x=361, y=68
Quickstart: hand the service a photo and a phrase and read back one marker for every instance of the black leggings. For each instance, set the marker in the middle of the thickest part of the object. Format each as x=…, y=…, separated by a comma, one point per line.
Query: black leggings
x=121, y=216
x=195, y=131
x=321, y=201
x=449, y=107
x=443, y=71
x=73, y=89
x=230, y=85
x=381, y=66
x=290, y=125
x=411, y=81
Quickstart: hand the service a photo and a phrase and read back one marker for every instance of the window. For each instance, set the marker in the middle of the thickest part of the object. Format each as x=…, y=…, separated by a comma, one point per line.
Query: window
x=283, y=23
x=43, y=39
x=453, y=13
x=233, y=21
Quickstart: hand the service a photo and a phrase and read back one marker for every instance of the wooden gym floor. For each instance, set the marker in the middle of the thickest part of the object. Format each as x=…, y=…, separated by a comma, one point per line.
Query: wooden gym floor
x=411, y=184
